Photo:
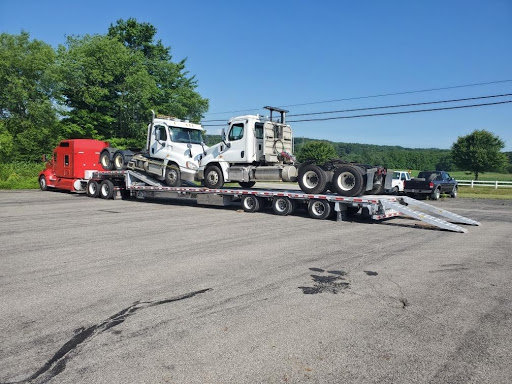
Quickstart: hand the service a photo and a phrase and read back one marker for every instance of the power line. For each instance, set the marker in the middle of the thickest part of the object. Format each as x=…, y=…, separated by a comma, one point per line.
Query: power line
x=386, y=113
x=382, y=107
x=402, y=112
x=401, y=105
x=373, y=96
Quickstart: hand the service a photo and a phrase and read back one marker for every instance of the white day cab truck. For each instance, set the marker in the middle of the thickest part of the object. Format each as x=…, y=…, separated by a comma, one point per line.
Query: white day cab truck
x=254, y=149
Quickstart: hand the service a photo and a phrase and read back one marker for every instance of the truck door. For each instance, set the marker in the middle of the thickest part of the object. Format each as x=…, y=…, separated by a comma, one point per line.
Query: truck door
x=158, y=141
x=237, y=137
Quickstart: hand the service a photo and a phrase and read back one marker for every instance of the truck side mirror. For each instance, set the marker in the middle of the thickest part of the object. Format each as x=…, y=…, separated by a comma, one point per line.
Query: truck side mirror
x=157, y=135
x=223, y=136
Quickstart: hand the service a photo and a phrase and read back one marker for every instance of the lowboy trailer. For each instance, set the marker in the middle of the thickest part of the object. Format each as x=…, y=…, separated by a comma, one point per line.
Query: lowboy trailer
x=133, y=184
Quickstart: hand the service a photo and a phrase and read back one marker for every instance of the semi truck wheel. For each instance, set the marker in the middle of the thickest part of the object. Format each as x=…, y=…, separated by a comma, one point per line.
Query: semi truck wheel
x=106, y=189
x=348, y=181
x=213, y=177
x=93, y=188
x=319, y=209
x=312, y=179
x=42, y=183
x=119, y=163
x=247, y=184
x=251, y=203
x=105, y=160
x=283, y=206
x=173, y=176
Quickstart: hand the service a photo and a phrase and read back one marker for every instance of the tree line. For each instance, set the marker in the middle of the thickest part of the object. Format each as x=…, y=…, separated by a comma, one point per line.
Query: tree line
x=93, y=86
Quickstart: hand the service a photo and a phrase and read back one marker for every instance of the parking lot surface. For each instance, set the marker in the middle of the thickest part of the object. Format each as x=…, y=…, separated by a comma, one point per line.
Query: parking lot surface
x=104, y=291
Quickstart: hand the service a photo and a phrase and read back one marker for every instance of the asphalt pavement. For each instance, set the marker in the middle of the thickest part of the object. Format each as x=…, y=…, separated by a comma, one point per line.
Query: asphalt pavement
x=126, y=291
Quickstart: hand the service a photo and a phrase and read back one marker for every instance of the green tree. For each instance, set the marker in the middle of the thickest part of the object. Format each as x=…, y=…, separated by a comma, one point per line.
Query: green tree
x=479, y=152
x=111, y=82
x=175, y=90
x=28, y=117
x=320, y=151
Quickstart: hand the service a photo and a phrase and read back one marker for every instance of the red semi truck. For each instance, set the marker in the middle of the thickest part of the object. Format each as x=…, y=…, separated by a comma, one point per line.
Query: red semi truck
x=69, y=163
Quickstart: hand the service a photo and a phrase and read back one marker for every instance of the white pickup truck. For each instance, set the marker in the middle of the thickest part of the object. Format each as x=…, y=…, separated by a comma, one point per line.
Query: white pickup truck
x=398, y=181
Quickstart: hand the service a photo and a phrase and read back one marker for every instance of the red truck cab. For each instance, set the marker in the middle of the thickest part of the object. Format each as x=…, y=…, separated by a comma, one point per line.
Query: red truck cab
x=70, y=159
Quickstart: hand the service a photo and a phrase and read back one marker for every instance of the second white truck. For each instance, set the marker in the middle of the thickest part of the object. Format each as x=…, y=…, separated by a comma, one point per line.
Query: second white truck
x=257, y=148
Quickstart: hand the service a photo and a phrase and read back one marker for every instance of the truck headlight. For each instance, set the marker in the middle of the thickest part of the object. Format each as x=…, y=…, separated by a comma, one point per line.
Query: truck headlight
x=191, y=165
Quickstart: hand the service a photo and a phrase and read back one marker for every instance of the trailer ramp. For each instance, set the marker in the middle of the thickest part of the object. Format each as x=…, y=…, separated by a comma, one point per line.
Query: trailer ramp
x=417, y=210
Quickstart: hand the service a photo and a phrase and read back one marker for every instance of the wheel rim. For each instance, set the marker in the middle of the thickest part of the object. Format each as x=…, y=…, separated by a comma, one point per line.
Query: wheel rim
x=212, y=178
x=346, y=181
x=172, y=176
x=318, y=208
x=92, y=188
x=42, y=182
x=105, y=190
x=249, y=203
x=104, y=161
x=281, y=205
x=310, y=179
x=119, y=162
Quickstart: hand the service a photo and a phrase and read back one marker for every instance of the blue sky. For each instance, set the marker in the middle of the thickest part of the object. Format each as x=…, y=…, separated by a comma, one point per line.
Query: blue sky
x=247, y=54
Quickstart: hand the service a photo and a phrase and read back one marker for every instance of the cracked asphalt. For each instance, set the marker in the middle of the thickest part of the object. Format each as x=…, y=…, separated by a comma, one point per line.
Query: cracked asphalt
x=96, y=291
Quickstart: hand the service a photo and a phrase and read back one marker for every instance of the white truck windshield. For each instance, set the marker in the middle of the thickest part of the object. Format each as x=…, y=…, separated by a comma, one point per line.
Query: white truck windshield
x=186, y=135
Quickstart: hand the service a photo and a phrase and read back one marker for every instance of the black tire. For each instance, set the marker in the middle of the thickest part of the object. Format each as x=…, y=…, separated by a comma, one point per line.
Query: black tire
x=319, y=209
x=283, y=206
x=436, y=194
x=42, y=183
x=348, y=181
x=213, y=177
x=312, y=179
x=395, y=191
x=118, y=161
x=455, y=192
x=105, y=161
x=93, y=189
x=251, y=203
x=106, y=190
x=173, y=176
x=247, y=184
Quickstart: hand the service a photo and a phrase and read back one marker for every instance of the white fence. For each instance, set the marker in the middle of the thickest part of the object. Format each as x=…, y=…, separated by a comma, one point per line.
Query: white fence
x=482, y=183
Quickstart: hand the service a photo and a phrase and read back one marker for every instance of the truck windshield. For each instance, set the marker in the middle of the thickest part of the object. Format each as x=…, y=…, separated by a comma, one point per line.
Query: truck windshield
x=186, y=135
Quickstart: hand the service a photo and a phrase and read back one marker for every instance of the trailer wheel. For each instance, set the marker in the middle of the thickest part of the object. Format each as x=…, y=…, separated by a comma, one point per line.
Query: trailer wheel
x=251, y=203
x=119, y=163
x=247, y=184
x=173, y=176
x=436, y=194
x=319, y=209
x=105, y=160
x=106, y=189
x=93, y=188
x=348, y=181
x=213, y=177
x=283, y=206
x=312, y=179
x=454, y=192
x=42, y=183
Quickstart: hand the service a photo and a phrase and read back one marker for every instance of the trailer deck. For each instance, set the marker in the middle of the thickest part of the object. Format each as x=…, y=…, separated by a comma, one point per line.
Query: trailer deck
x=374, y=207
